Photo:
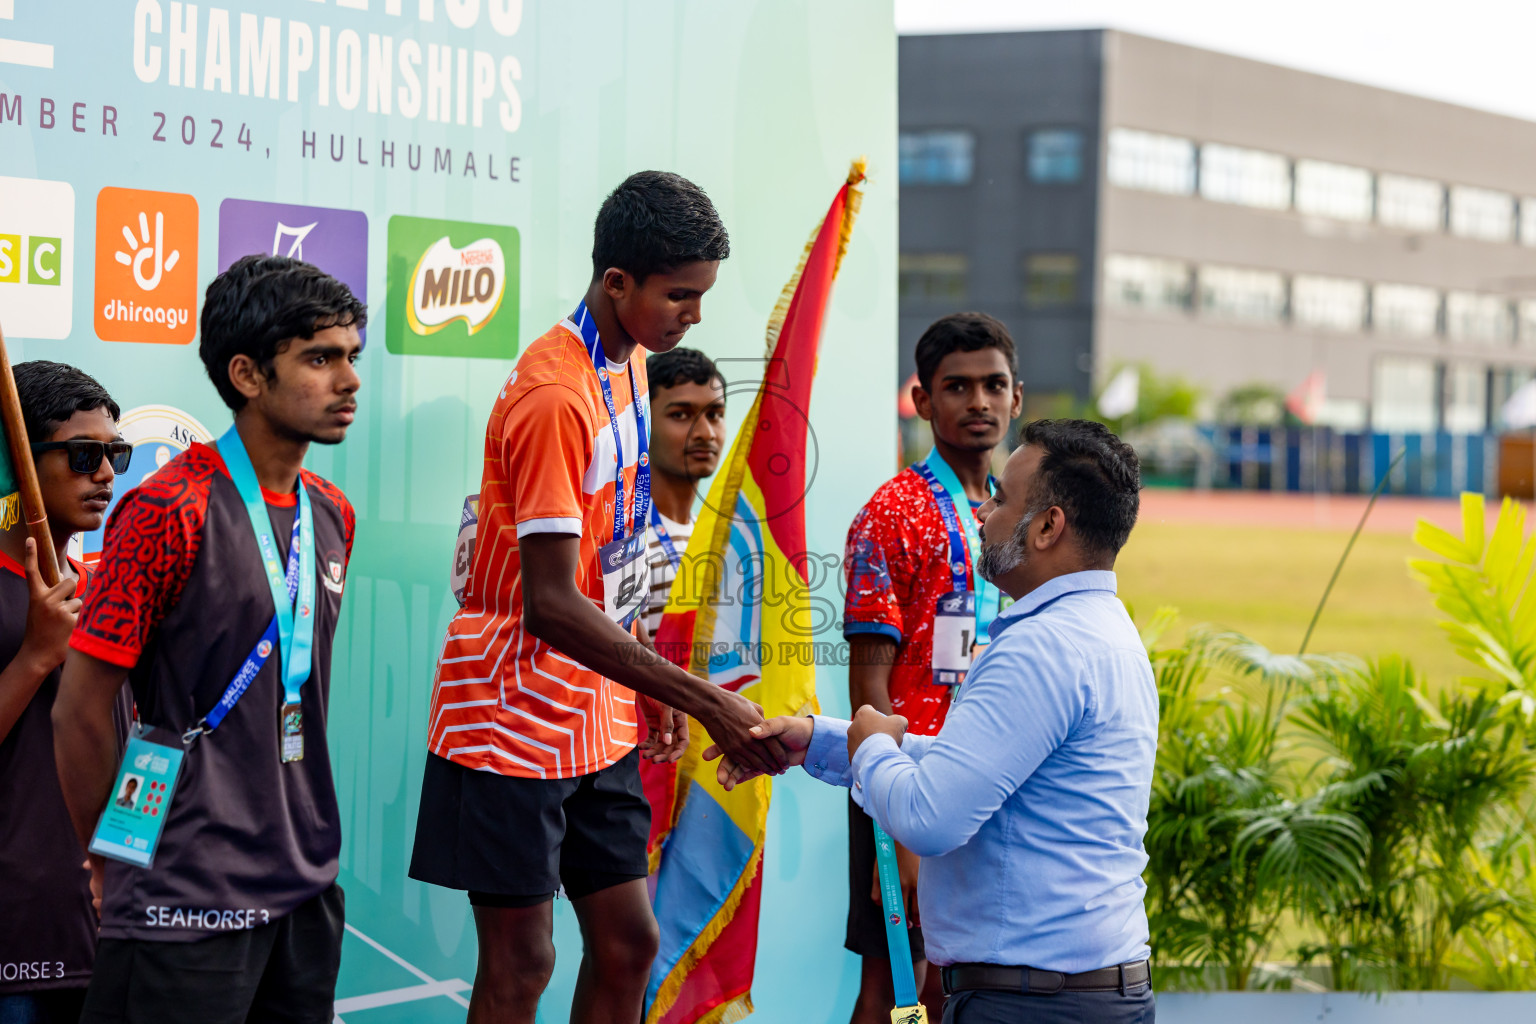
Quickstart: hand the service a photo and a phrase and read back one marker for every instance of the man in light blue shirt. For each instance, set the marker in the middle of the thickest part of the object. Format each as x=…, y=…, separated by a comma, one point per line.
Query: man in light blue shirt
x=1029, y=806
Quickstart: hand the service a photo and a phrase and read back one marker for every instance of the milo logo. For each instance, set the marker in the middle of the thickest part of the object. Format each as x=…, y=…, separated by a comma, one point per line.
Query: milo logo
x=457, y=284
x=452, y=288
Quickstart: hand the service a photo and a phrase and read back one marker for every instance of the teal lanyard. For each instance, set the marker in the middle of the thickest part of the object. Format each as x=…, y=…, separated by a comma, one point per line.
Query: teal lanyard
x=296, y=635
x=897, y=943
x=988, y=597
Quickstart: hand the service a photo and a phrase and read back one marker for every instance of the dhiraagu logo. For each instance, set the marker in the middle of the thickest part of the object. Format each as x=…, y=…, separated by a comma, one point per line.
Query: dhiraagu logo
x=452, y=289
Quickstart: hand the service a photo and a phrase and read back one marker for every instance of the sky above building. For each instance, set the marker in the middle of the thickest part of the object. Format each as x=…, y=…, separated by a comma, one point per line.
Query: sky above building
x=1472, y=52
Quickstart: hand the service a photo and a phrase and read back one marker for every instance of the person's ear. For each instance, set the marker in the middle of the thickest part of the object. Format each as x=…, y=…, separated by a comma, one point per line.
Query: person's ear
x=1053, y=524
x=922, y=401
x=246, y=376
x=616, y=283
x=1017, y=408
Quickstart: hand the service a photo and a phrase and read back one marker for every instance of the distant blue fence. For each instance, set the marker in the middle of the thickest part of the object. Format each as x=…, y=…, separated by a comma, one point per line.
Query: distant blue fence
x=1317, y=459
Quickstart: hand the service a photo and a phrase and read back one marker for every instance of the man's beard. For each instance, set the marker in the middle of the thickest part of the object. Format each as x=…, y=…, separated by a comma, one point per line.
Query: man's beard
x=998, y=560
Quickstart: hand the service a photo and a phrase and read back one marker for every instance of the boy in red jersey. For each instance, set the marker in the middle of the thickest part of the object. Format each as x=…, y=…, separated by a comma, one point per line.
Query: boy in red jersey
x=901, y=560
x=532, y=780
x=49, y=933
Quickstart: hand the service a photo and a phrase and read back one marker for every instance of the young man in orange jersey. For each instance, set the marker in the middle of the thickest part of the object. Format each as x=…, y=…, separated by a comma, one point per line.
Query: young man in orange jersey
x=532, y=780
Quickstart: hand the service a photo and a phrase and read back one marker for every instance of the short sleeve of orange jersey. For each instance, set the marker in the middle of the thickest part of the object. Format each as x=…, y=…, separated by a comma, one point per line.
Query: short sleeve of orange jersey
x=546, y=443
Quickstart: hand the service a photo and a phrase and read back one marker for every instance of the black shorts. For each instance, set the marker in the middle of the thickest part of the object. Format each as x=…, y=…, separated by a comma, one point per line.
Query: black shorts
x=284, y=971
x=512, y=842
x=866, y=918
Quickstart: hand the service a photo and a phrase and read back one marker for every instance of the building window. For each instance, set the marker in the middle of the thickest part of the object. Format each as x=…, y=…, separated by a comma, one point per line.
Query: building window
x=1333, y=190
x=1528, y=221
x=1157, y=163
x=1145, y=282
x=1248, y=177
x=1405, y=309
x=1466, y=398
x=1239, y=294
x=1506, y=381
x=1328, y=303
x=1410, y=203
x=1478, y=318
x=937, y=277
x=1056, y=156
x=937, y=157
x=1403, y=395
x=1527, y=334
x=1050, y=279
x=1482, y=213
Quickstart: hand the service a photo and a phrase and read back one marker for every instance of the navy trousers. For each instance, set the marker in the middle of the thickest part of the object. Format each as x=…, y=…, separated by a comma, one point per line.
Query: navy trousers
x=973, y=1007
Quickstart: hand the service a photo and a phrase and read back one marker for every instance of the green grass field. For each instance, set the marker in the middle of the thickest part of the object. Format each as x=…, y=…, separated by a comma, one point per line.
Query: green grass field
x=1266, y=582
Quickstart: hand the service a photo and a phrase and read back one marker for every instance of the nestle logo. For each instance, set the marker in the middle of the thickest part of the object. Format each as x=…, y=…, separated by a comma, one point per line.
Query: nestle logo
x=477, y=257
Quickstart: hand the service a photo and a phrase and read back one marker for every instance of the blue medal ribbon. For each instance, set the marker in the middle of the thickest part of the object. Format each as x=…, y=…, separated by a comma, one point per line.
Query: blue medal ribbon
x=964, y=538
x=897, y=942
x=665, y=538
x=585, y=322
x=292, y=629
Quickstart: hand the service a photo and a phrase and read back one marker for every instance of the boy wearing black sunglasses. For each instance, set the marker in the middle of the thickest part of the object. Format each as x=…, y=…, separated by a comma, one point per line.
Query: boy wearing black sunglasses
x=50, y=925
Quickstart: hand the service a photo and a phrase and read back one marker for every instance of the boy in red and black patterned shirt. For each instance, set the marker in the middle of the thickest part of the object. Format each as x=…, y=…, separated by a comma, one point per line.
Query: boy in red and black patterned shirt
x=239, y=916
x=898, y=565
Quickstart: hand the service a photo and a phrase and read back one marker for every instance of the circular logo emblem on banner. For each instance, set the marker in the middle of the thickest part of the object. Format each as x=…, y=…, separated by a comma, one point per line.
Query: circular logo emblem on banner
x=645, y=459
x=158, y=433
x=264, y=648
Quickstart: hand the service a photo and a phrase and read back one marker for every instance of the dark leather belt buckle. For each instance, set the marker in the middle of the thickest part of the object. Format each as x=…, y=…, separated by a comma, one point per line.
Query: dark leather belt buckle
x=1045, y=983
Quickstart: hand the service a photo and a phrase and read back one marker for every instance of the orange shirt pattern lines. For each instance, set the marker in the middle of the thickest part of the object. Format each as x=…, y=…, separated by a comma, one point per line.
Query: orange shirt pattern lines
x=503, y=700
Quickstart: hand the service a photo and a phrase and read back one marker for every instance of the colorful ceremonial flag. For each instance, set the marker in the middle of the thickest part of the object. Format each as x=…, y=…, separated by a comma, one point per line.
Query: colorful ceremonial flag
x=10, y=498
x=739, y=616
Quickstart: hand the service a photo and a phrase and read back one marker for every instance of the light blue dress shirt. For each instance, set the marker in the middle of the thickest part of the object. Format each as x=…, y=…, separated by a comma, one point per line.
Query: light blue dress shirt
x=1029, y=806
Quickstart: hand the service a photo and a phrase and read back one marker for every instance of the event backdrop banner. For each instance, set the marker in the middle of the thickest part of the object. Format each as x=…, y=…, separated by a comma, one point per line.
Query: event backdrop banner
x=446, y=158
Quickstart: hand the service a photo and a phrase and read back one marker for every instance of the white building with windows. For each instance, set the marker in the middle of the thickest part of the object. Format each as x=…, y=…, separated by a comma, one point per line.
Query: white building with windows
x=1117, y=199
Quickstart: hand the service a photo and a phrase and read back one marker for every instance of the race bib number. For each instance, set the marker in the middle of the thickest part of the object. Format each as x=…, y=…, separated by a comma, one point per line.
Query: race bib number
x=464, y=548
x=954, y=634
x=626, y=579
x=140, y=801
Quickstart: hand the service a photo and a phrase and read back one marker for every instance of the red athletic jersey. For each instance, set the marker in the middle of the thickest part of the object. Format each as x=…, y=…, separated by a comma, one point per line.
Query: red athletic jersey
x=897, y=566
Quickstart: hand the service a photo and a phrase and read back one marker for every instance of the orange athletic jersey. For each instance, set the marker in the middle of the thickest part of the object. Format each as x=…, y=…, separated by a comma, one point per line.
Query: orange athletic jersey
x=503, y=700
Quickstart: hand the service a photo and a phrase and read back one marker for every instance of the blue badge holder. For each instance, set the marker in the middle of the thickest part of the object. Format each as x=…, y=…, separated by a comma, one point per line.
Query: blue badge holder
x=130, y=827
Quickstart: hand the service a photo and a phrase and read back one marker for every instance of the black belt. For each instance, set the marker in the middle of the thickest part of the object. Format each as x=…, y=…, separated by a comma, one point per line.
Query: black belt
x=1028, y=980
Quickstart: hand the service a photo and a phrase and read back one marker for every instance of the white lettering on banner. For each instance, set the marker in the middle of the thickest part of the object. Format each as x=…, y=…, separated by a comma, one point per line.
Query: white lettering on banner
x=246, y=55
x=36, y=970
x=146, y=58
x=207, y=919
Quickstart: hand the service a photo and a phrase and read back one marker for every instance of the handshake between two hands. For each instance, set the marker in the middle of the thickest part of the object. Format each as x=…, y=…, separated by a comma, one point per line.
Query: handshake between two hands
x=792, y=735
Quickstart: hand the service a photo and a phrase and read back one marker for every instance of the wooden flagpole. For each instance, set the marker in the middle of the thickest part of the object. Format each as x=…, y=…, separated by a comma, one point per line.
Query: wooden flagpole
x=26, y=471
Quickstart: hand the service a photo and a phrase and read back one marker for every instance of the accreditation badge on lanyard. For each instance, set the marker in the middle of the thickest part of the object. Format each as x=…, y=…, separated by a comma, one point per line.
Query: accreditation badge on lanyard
x=956, y=623
x=622, y=560
x=129, y=829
